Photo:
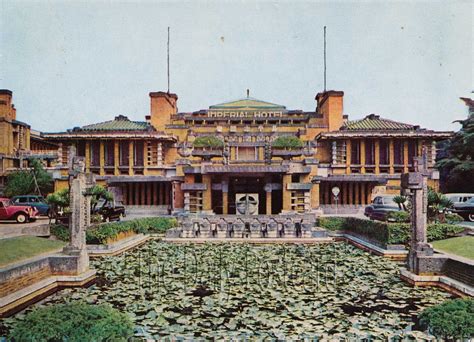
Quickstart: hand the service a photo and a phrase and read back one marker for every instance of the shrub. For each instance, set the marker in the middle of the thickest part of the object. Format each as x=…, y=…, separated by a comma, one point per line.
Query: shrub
x=398, y=216
x=398, y=233
x=73, y=322
x=451, y=320
x=441, y=231
x=332, y=223
x=101, y=233
x=287, y=142
x=208, y=141
x=453, y=218
x=60, y=231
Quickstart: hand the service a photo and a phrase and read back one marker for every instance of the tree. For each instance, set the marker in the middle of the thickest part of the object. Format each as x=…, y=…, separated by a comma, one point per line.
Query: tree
x=35, y=180
x=287, y=142
x=457, y=166
x=60, y=199
x=208, y=141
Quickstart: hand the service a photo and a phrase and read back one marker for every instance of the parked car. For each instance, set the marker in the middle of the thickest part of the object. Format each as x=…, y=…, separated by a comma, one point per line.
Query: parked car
x=382, y=206
x=19, y=213
x=459, y=198
x=466, y=209
x=110, y=211
x=37, y=202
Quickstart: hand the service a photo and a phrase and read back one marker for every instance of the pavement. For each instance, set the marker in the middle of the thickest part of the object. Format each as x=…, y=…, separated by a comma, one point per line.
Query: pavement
x=11, y=228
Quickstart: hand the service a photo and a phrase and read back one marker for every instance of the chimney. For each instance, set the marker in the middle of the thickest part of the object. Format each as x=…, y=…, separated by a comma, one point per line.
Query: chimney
x=331, y=105
x=7, y=110
x=162, y=106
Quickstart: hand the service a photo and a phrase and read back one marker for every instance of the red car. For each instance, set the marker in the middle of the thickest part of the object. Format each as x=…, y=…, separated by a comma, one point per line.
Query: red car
x=19, y=213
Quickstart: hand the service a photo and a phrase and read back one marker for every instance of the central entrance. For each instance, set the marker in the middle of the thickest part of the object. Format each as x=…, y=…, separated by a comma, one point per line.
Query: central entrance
x=247, y=195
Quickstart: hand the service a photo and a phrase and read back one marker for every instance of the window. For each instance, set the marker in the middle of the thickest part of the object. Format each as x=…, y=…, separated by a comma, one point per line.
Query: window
x=109, y=153
x=398, y=152
x=95, y=153
x=138, y=153
x=369, y=152
x=412, y=150
x=81, y=149
x=355, y=152
x=384, y=152
x=124, y=153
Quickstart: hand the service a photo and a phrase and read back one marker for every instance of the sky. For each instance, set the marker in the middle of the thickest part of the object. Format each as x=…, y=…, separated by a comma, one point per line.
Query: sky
x=72, y=63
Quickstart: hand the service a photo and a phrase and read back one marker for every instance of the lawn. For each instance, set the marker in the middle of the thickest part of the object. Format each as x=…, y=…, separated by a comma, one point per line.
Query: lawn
x=23, y=247
x=462, y=246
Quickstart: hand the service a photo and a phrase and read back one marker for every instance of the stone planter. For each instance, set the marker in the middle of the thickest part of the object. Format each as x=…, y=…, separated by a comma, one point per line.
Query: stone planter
x=286, y=153
x=120, y=236
x=207, y=154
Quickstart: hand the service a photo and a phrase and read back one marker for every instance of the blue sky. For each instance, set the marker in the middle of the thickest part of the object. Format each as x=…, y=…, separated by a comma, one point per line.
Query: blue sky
x=71, y=63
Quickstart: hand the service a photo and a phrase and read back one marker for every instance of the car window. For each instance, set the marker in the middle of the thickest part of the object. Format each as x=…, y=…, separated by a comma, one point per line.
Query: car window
x=22, y=200
x=33, y=200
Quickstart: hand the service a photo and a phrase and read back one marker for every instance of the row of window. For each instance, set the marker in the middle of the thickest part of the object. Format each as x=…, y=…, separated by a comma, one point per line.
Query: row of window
x=109, y=153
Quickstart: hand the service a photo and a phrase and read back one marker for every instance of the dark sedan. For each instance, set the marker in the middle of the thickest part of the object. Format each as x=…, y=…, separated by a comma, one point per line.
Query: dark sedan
x=381, y=207
x=466, y=209
x=109, y=211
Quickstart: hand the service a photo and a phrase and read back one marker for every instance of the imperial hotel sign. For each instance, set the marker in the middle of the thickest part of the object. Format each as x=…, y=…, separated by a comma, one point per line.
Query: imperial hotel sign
x=248, y=108
x=244, y=114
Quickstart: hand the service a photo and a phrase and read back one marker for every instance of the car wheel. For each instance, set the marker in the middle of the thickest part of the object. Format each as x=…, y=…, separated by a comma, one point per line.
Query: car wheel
x=471, y=217
x=21, y=218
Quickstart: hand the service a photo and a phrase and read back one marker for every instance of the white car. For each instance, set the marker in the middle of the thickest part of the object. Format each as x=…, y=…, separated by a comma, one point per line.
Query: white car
x=459, y=198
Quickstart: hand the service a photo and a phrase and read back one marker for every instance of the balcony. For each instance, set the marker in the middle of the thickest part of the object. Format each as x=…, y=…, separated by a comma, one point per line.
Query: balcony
x=206, y=154
x=287, y=153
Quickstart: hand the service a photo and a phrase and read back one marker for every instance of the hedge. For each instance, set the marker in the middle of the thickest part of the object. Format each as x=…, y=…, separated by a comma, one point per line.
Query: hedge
x=73, y=322
x=288, y=142
x=208, y=141
x=386, y=233
x=101, y=233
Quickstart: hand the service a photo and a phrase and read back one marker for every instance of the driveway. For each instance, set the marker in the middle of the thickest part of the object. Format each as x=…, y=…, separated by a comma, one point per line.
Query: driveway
x=11, y=228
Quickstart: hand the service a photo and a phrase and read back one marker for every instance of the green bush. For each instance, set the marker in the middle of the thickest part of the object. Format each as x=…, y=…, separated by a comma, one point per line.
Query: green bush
x=73, y=322
x=441, y=231
x=332, y=223
x=451, y=320
x=60, y=231
x=102, y=232
x=287, y=142
x=386, y=233
x=398, y=216
x=208, y=141
x=453, y=218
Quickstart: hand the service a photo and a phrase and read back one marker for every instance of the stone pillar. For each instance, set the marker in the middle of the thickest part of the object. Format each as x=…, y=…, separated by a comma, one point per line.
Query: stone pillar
x=345, y=193
x=116, y=158
x=286, y=193
x=405, y=156
x=377, y=156
x=315, y=196
x=362, y=156
x=261, y=153
x=206, y=200
x=348, y=156
x=391, y=156
x=225, y=197
x=419, y=247
x=362, y=193
x=88, y=156
x=350, y=187
x=161, y=193
x=268, y=199
x=80, y=203
x=357, y=192
x=102, y=158
x=130, y=158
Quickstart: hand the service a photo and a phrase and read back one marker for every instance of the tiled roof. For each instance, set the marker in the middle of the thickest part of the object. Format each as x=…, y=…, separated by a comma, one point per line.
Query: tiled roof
x=247, y=103
x=120, y=123
x=375, y=122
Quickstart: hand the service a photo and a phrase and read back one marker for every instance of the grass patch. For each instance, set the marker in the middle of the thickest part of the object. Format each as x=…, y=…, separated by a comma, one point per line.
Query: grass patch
x=462, y=246
x=23, y=247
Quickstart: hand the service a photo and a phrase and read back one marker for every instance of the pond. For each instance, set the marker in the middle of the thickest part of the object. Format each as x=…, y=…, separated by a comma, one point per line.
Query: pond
x=267, y=291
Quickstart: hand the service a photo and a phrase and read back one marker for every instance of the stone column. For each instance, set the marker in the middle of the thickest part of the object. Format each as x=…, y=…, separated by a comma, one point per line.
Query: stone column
x=206, y=200
x=102, y=158
x=268, y=199
x=286, y=193
x=88, y=156
x=348, y=156
x=225, y=197
x=178, y=197
x=116, y=158
x=391, y=156
x=419, y=247
x=130, y=158
x=377, y=156
x=315, y=195
x=362, y=156
x=405, y=156
x=80, y=201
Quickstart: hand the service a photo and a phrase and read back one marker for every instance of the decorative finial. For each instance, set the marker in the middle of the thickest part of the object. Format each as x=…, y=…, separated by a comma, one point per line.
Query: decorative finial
x=248, y=93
